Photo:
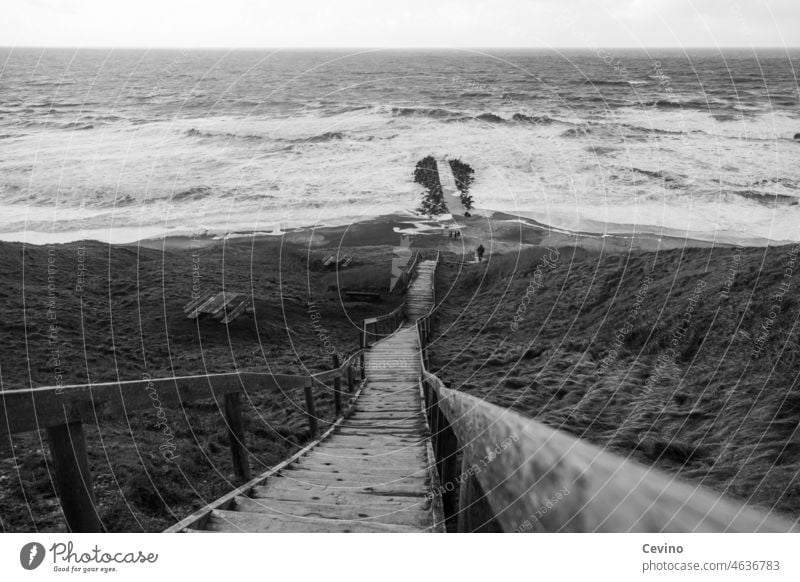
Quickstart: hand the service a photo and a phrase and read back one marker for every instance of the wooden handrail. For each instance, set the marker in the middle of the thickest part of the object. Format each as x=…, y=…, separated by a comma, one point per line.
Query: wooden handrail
x=518, y=475
x=375, y=328
x=62, y=410
x=543, y=479
x=31, y=409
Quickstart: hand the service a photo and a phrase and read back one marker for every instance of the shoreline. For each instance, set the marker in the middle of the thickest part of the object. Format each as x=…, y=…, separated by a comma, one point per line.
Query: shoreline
x=498, y=227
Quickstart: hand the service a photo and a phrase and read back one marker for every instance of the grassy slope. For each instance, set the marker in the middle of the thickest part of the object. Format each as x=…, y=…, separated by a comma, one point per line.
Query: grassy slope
x=719, y=412
x=133, y=322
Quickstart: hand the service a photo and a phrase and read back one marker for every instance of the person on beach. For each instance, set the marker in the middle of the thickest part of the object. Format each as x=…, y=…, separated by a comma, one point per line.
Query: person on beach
x=480, y=250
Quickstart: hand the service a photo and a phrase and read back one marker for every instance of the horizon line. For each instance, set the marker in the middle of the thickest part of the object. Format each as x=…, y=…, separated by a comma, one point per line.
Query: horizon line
x=380, y=48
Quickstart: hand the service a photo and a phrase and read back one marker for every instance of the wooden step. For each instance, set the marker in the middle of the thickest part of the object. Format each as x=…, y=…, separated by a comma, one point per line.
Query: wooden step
x=245, y=521
x=409, y=515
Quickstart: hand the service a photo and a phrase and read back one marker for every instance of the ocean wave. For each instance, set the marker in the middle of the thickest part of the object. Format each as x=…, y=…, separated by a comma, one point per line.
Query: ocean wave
x=489, y=118
x=615, y=82
x=324, y=137
x=766, y=198
x=76, y=125
x=432, y=112
x=535, y=119
x=194, y=193
x=194, y=132
x=577, y=131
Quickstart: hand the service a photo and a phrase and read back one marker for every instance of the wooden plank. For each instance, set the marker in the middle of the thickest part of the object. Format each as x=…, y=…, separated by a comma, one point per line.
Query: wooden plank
x=547, y=480
x=240, y=521
x=198, y=519
x=233, y=312
x=200, y=298
x=355, y=470
x=37, y=408
x=217, y=307
x=201, y=306
x=393, y=514
x=73, y=478
x=311, y=411
x=236, y=438
x=406, y=477
x=343, y=497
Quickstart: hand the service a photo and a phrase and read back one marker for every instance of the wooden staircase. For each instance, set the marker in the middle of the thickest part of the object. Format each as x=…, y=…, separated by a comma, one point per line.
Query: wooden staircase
x=419, y=300
x=375, y=471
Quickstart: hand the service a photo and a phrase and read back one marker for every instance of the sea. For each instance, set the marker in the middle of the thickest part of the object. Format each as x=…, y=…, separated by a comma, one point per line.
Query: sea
x=122, y=145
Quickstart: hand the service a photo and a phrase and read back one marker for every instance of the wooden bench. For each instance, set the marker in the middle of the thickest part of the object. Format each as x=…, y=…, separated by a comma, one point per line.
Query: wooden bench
x=332, y=261
x=225, y=307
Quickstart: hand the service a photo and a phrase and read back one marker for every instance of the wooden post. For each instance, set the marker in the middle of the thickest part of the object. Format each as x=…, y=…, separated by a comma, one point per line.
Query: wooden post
x=474, y=513
x=337, y=387
x=233, y=416
x=363, y=367
x=311, y=411
x=73, y=478
x=433, y=410
x=446, y=464
x=350, y=381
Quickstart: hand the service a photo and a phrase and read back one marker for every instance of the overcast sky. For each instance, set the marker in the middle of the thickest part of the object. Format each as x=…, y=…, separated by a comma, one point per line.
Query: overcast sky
x=400, y=23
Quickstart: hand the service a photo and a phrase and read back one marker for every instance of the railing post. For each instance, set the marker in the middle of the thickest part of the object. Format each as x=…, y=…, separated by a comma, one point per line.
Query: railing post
x=350, y=381
x=337, y=387
x=363, y=366
x=446, y=452
x=233, y=416
x=311, y=411
x=475, y=515
x=73, y=478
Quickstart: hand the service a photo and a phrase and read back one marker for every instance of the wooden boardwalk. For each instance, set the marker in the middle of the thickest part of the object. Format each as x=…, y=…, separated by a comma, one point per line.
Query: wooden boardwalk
x=375, y=472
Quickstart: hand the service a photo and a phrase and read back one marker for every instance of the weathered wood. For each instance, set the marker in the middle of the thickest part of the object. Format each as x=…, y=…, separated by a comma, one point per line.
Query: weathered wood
x=198, y=519
x=234, y=309
x=36, y=408
x=474, y=512
x=541, y=479
x=414, y=516
x=311, y=411
x=197, y=300
x=73, y=478
x=350, y=380
x=233, y=417
x=239, y=521
x=337, y=387
x=446, y=451
x=374, y=472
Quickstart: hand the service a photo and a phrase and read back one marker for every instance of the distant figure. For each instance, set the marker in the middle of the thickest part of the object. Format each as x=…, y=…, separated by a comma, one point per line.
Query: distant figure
x=797, y=136
x=480, y=250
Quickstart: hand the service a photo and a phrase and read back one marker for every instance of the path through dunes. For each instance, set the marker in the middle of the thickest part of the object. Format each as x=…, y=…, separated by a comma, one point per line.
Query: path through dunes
x=373, y=473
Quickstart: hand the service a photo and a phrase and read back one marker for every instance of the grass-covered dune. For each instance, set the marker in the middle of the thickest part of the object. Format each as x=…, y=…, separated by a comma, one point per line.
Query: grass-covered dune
x=686, y=359
x=117, y=315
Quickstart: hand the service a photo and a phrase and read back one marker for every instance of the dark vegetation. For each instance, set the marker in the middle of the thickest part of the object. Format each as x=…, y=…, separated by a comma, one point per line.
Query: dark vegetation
x=464, y=175
x=427, y=174
x=128, y=321
x=703, y=384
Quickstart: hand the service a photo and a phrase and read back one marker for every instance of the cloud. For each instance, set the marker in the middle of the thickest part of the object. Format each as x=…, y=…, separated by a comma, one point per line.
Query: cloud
x=473, y=23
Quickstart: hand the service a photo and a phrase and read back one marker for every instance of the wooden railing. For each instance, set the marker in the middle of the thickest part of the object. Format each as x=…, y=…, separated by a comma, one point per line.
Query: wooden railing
x=62, y=411
x=516, y=474
x=377, y=328
x=406, y=277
